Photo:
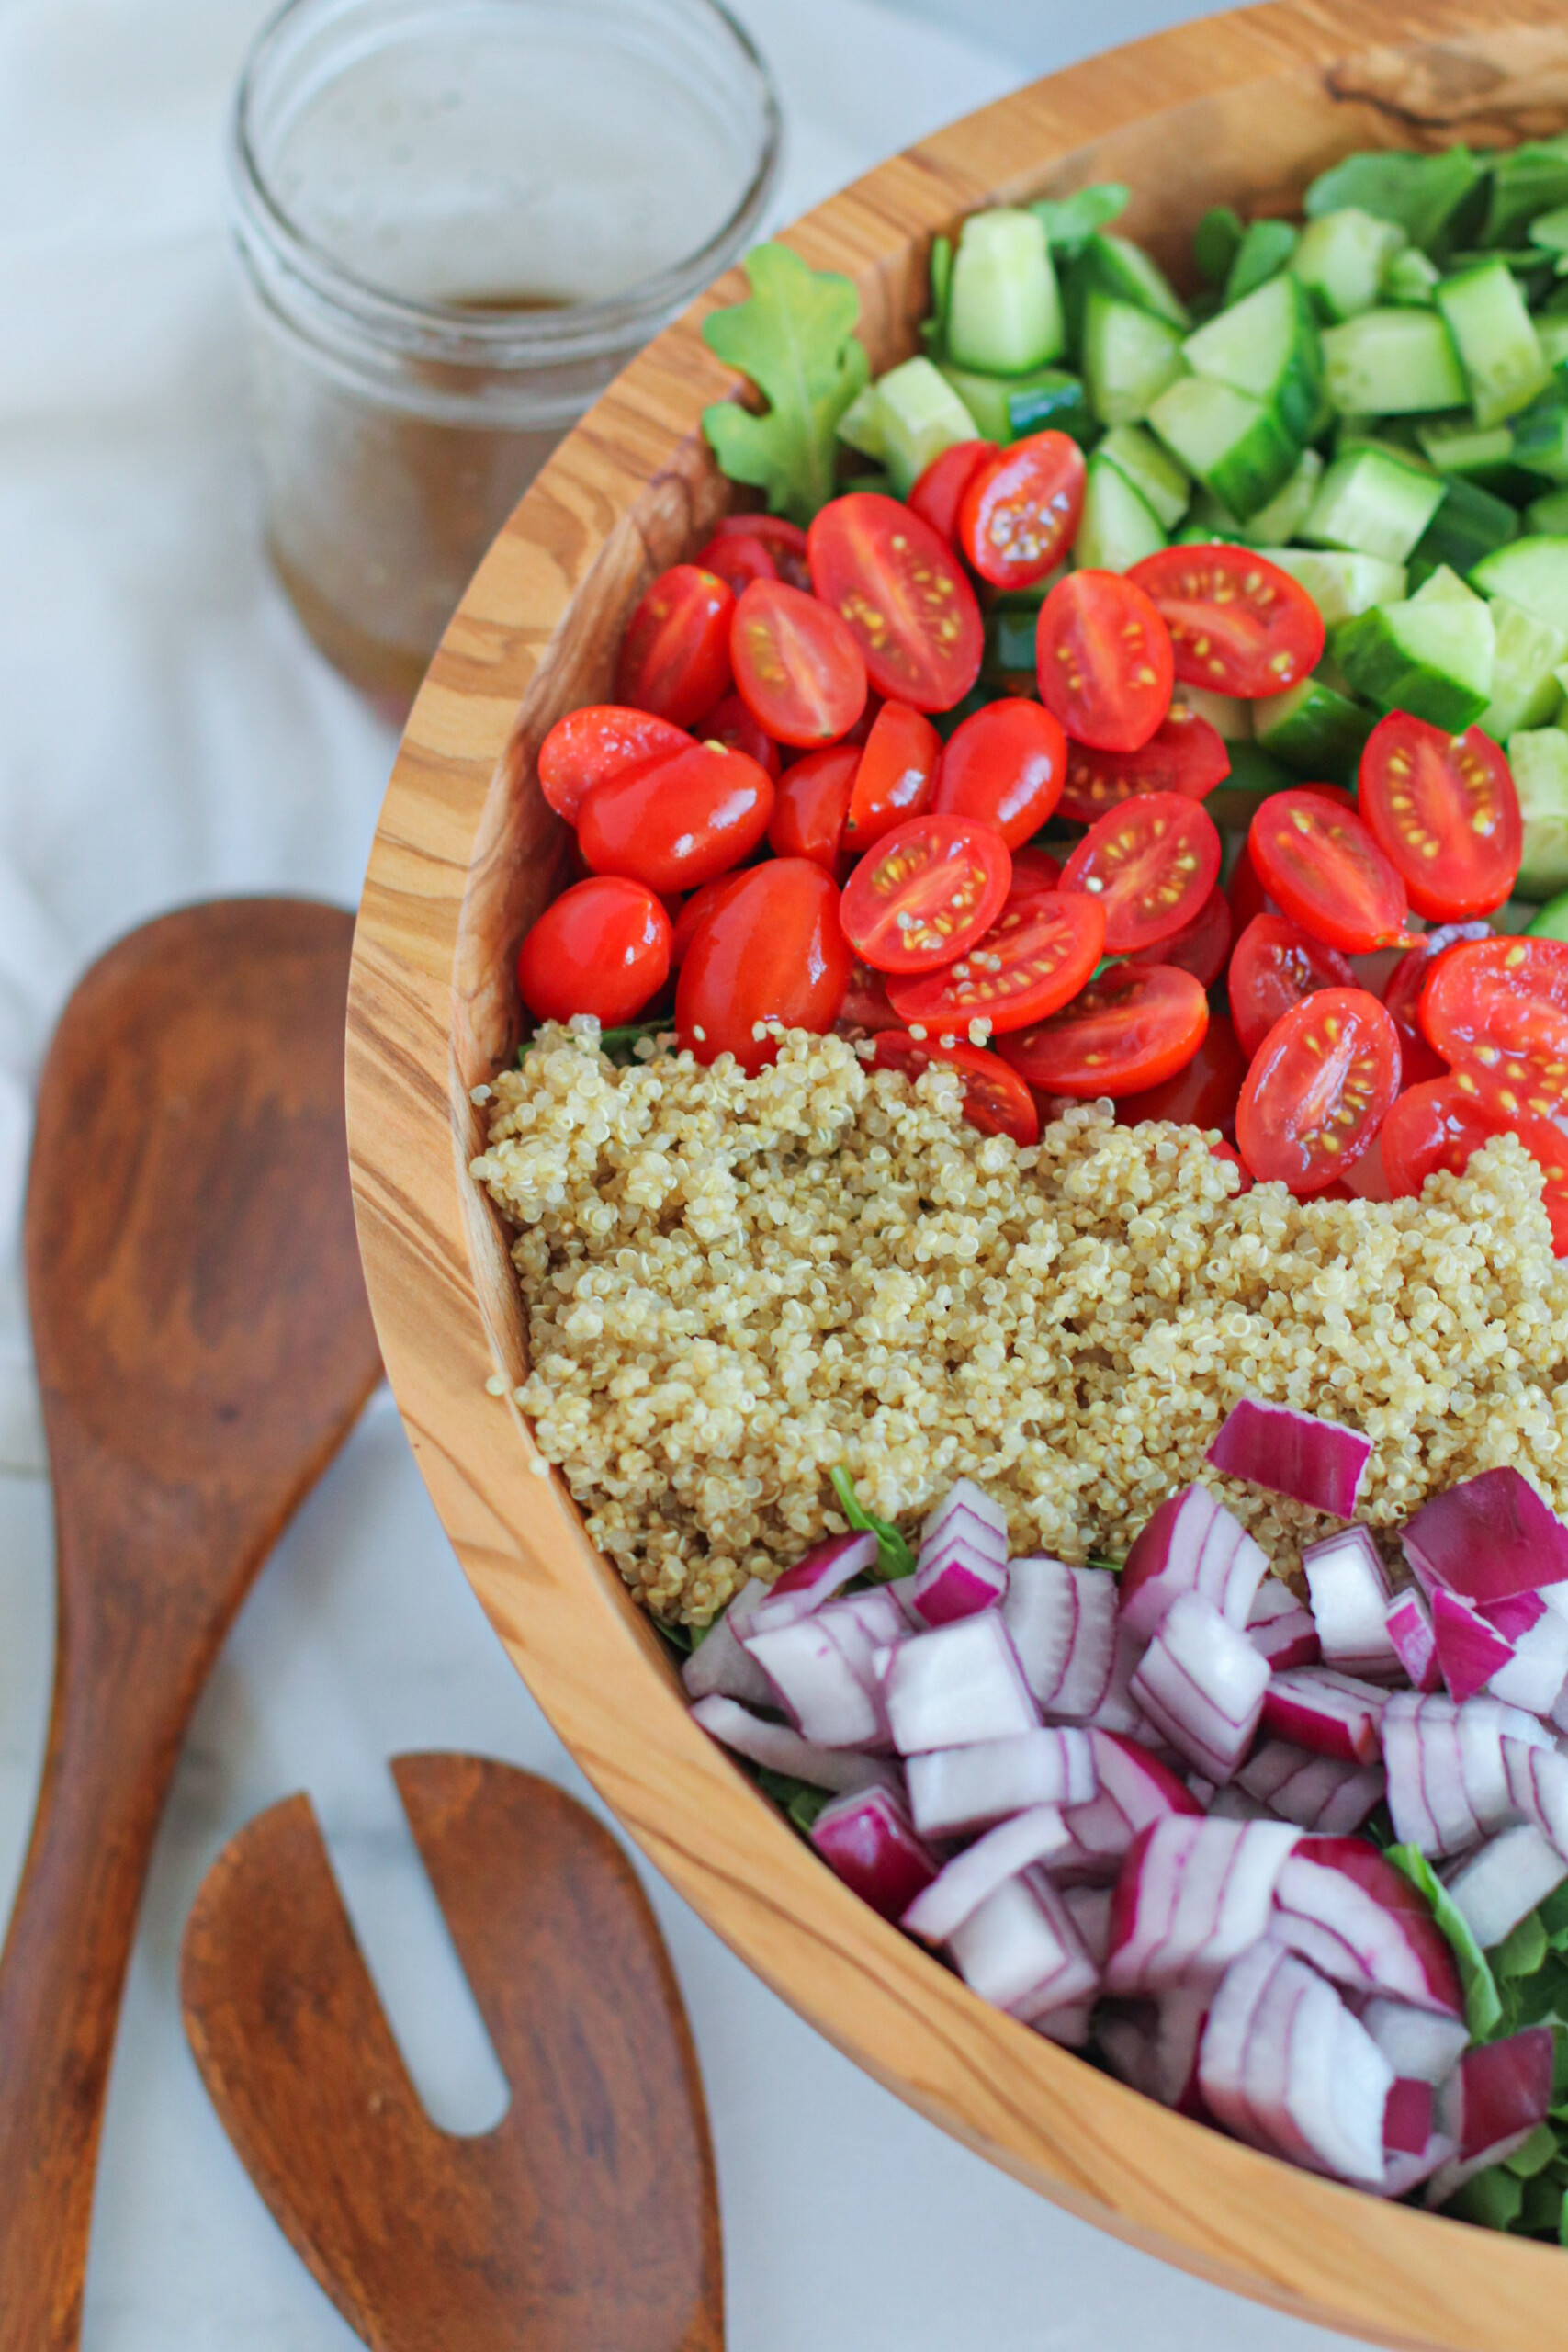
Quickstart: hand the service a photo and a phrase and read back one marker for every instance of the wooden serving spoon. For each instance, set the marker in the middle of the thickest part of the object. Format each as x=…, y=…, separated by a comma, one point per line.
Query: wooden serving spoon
x=204, y=1347
x=588, y=2220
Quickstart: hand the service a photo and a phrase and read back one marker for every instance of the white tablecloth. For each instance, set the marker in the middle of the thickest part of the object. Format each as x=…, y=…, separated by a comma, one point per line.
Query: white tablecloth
x=165, y=732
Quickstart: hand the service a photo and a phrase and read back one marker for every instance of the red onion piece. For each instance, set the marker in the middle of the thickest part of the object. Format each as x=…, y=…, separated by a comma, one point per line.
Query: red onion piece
x=1407, y=2118
x=1314, y=1462
x=1117, y=1711
x=958, y=1685
x=1514, y=1615
x=1360, y=1922
x=782, y=1750
x=1191, y=1895
x=1534, y=1676
x=1021, y=1950
x=1192, y=1545
x=1421, y=2042
x=1286, y=2067
x=1135, y=1788
x=1536, y=1777
x=1448, y=1768
x=803, y=1589
x=956, y=1791
x=868, y=1840
x=1153, y=2044
x=1469, y=1651
x=1201, y=1683
x=1488, y=1538
x=817, y=1685
x=1349, y=1603
x=862, y=1624
x=1070, y=2026
x=1332, y=1713
x=1279, y=1629
x=1491, y=2103
x=1500, y=1885
x=1091, y=1909
x=954, y=1582
x=720, y=1664
x=1402, y=2173
x=1063, y=1623
x=960, y=1887
x=1322, y=1792
x=1409, y=1624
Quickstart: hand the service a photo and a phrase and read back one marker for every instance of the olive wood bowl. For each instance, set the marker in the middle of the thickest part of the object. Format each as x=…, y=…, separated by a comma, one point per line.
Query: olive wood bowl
x=1241, y=109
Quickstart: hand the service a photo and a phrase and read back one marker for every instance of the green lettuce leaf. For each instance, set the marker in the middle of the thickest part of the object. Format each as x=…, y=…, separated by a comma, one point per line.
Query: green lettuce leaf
x=795, y=337
x=1483, y=2008
x=1071, y=221
x=1423, y=193
x=894, y=1557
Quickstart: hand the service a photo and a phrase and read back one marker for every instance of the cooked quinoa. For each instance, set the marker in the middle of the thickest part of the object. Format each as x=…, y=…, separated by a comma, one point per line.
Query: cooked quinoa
x=734, y=1284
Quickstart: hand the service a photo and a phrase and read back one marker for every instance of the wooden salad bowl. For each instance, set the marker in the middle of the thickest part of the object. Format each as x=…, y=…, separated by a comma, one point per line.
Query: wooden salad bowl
x=1242, y=109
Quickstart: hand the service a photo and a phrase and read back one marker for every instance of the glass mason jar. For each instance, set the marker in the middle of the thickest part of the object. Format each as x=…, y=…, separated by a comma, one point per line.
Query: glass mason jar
x=459, y=220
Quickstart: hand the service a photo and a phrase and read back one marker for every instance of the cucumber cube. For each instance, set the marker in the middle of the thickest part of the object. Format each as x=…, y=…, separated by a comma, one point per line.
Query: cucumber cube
x=921, y=417
x=1342, y=586
x=1255, y=774
x=1541, y=438
x=1496, y=339
x=1006, y=407
x=1276, y=524
x=1342, y=257
x=1538, y=759
x=1153, y=471
x=1409, y=280
x=1392, y=363
x=1315, y=727
x=1533, y=573
x=1433, y=659
x=1467, y=525
x=1525, y=688
x=860, y=428
x=1373, y=502
x=1129, y=358
x=1551, y=333
x=1266, y=344
x=1548, y=517
x=1004, y=311
x=1235, y=444
x=1118, y=527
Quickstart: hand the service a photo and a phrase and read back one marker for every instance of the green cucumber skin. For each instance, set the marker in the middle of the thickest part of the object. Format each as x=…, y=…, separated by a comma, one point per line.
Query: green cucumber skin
x=1119, y=527
x=1532, y=572
x=1314, y=730
x=1494, y=338
x=1268, y=345
x=1392, y=363
x=1379, y=666
x=1233, y=443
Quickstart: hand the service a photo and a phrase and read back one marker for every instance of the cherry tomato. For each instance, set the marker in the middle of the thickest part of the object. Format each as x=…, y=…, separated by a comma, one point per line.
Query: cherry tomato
x=1005, y=765
x=1402, y=995
x=1037, y=954
x=1035, y=873
x=1319, y=1089
x=1228, y=1154
x=996, y=1100
x=695, y=911
x=866, y=1006
x=938, y=493
x=771, y=951
x=1134, y=1027
x=1018, y=514
x=1499, y=1007
x=926, y=893
x=1200, y=946
x=903, y=593
x=1184, y=754
x=1104, y=659
x=737, y=559
x=797, y=667
x=1320, y=865
x=1443, y=807
x=601, y=947
x=784, y=540
x=730, y=723
x=680, y=823
x=675, y=655
x=894, y=776
x=811, y=801
x=1238, y=623
x=588, y=746
x=1277, y=965
x=1439, y=1124
x=1246, y=893
x=1203, y=1094
x=1151, y=863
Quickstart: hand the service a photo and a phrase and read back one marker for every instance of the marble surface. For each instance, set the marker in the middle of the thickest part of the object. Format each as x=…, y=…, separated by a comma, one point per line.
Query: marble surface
x=202, y=747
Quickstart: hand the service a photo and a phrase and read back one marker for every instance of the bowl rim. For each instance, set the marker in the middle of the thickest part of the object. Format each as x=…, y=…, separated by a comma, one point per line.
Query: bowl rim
x=623, y=496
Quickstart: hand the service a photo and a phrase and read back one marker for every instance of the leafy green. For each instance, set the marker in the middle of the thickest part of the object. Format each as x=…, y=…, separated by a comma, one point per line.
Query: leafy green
x=1423, y=193
x=795, y=337
x=799, y=1799
x=1522, y=1950
x=1071, y=221
x=1538, y=2152
x=1526, y=180
x=1482, y=2008
x=1553, y=1916
x=619, y=1045
x=1102, y=1560
x=894, y=1557
x=684, y=1638
x=1216, y=240
x=1261, y=254
x=1493, y=2198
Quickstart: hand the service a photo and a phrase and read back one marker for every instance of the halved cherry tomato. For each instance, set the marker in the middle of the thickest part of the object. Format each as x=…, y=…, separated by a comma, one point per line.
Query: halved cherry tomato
x=601, y=947
x=1005, y=765
x=604, y=739
x=811, y=801
x=1019, y=514
x=867, y=1006
x=1277, y=965
x=1443, y=807
x=1184, y=754
x=1439, y=1124
x=1037, y=954
x=784, y=540
x=903, y=592
x=1151, y=863
x=1035, y=873
x=1500, y=1007
x=1238, y=623
x=1205, y=1093
x=680, y=823
x=1322, y=866
x=1200, y=946
x=676, y=653
x=737, y=559
x=938, y=493
x=996, y=1099
x=1402, y=995
x=1137, y=1024
x=730, y=723
x=1319, y=1089
x=771, y=951
x=894, y=776
x=797, y=668
x=1230, y=1158
x=1104, y=661
x=926, y=893
x=697, y=910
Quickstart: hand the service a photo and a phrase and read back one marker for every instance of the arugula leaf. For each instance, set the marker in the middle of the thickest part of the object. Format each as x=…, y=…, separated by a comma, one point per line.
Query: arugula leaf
x=1071, y=221
x=1216, y=240
x=1423, y=193
x=1483, y=2008
x=795, y=337
x=1491, y=2198
x=1527, y=180
x=799, y=1799
x=1522, y=1949
x=1261, y=254
x=1553, y=1916
x=619, y=1044
x=894, y=1557
x=1538, y=2152
x=684, y=1638
x=1102, y=1560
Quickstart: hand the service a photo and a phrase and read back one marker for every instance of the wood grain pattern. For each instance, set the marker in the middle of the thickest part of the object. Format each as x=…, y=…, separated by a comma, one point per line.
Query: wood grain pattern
x=587, y=2220
x=204, y=1347
x=1241, y=109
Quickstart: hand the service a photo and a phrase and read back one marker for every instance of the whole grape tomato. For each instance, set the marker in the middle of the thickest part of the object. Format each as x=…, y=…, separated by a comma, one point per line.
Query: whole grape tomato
x=601, y=947
x=604, y=739
x=771, y=951
x=680, y=823
x=1005, y=765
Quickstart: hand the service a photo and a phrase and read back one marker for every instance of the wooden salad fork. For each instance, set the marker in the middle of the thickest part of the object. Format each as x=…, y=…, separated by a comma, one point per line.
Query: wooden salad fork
x=204, y=1347
x=587, y=2220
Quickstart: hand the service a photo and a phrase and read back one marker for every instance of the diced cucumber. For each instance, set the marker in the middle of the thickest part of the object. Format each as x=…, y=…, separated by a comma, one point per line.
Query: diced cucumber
x=1153, y=471
x=1372, y=501
x=1396, y=434
x=1551, y=333
x=1549, y=230
x=1342, y=257
x=1266, y=344
x=1409, y=279
x=1456, y=444
x=1264, y=248
x=1129, y=358
x=921, y=415
x=1431, y=657
x=1548, y=517
x=1006, y=407
x=1233, y=443
x=1276, y=524
x=1004, y=311
x=1392, y=363
x=1121, y=269
x=1526, y=691
x=1255, y=774
x=1342, y=586
x=1496, y=339
x=1442, y=585
x=1226, y=714
x=1534, y=573
x=933, y=328
x=1315, y=727
x=1540, y=437
x=1552, y=922
x=861, y=427
x=1538, y=759
x=1467, y=525
x=1119, y=527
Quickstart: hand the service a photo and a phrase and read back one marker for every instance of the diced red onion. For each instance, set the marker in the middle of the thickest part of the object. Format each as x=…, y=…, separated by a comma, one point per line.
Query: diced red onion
x=1192, y=1545
x=1279, y=1629
x=719, y=1663
x=1349, y=1603
x=1469, y=1651
x=1314, y=1462
x=1340, y=1906
x=782, y=1750
x=1499, y=1885
x=957, y=1685
x=1286, y=2067
x=1322, y=1792
x=1153, y=2044
x=1403, y=2174
x=817, y=1685
x=803, y=1589
x=1091, y=1909
x=1135, y=1788
x=1409, y=1624
x=1191, y=1895
x=1021, y=1950
x=1493, y=2100
x=869, y=1841
x=1116, y=1711
x=1488, y=1538
x=1063, y=1623
x=962, y=1562
x=1233, y=1804
x=1518, y=1614
x=865, y=1622
x=1332, y=1713
x=1407, y=2119
x=1536, y=1777
x=1201, y=1683
x=1448, y=1774
x=969, y=1505
x=962, y=1884
x=1534, y=1676
x=955, y=1790
x=1416, y=2042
